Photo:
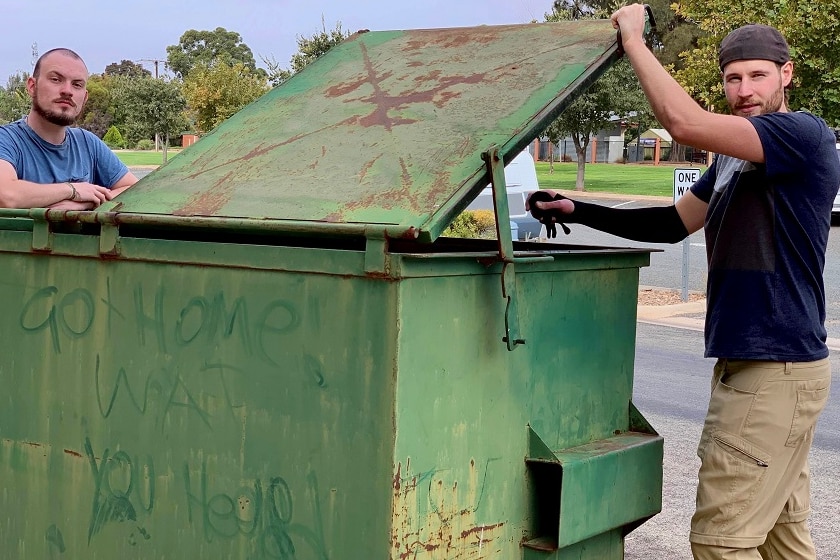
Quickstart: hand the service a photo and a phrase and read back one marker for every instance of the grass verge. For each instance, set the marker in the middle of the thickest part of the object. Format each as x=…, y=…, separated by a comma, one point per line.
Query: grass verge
x=618, y=178
x=144, y=157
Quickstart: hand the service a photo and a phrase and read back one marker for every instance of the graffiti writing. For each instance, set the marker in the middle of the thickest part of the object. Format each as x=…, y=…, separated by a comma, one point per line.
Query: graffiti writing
x=122, y=487
x=262, y=514
x=163, y=390
x=202, y=319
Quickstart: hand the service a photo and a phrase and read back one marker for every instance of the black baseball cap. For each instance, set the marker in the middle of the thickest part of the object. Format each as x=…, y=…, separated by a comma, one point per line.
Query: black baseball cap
x=751, y=42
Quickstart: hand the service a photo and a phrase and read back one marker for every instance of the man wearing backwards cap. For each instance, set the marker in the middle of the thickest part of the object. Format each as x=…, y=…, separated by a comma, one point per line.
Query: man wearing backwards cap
x=765, y=204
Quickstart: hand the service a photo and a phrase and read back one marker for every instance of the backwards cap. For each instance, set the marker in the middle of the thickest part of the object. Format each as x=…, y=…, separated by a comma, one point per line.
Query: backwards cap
x=754, y=41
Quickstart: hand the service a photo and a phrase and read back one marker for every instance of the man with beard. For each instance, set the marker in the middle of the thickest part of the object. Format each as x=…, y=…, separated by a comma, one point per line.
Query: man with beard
x=44, y=160
x=765, y=204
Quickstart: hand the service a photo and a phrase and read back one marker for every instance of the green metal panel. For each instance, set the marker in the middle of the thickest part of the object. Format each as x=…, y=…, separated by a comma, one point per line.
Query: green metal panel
x=609, y=483
x=386, y=128
x=163, y=410
x=475, y=497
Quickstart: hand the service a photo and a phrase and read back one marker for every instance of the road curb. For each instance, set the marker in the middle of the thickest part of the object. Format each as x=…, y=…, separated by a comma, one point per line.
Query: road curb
x=685, y=316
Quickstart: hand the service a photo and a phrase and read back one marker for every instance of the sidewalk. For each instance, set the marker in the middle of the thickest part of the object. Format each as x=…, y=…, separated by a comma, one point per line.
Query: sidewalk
x=690, y=316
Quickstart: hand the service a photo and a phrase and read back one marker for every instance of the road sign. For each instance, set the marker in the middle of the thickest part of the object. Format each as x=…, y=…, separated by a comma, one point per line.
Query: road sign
x=683, y=179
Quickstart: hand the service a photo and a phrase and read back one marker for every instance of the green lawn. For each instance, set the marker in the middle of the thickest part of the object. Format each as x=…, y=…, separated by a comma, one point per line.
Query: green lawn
x=144, y=157
x=628, y=179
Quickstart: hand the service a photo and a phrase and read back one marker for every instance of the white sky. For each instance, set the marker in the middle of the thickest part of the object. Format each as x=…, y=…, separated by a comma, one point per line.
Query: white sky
x=106, y=31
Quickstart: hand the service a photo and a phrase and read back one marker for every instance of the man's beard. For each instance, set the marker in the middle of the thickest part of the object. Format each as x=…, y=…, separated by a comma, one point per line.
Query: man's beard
x=54, y=117
x=772, y=105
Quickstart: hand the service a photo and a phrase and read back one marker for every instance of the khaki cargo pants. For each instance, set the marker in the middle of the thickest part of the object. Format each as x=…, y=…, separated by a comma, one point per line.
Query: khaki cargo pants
x=753, y=496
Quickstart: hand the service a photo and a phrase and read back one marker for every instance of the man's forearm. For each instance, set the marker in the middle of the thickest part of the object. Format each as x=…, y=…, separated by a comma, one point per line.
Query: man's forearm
x=674, y=108
x=26, y=194
x=654, y=224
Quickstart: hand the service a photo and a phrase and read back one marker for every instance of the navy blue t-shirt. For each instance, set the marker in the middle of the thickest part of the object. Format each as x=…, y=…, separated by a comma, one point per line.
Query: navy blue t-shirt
x=766, y=234
x=82, y=157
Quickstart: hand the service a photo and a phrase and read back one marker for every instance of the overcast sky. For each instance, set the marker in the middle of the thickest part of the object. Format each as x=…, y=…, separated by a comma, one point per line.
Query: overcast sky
x=106, y=31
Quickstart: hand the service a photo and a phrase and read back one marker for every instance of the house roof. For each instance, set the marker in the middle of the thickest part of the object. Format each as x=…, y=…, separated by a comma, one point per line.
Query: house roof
x=660, y=133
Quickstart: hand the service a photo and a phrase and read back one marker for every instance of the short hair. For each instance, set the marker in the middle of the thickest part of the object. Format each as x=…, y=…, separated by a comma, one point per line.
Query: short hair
x=62, y=50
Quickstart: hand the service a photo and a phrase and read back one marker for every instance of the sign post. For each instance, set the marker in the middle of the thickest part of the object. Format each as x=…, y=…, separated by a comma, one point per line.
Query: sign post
x=683, y=179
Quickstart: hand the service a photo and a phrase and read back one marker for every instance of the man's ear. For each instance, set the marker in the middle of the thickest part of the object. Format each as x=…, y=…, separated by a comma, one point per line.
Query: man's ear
x=787, y=73
x=30, y=86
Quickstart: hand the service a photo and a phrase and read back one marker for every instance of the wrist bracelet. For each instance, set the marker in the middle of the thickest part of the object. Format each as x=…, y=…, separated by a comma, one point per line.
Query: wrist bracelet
x=74, y=194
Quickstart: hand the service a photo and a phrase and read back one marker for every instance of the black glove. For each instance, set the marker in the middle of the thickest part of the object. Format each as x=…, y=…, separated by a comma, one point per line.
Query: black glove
x=548, y=217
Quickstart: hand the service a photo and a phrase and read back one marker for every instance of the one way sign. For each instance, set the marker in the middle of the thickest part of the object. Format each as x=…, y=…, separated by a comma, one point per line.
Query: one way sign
x=683, y=179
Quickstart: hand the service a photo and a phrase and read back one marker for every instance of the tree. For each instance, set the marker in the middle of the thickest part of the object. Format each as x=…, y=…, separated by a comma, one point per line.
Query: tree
x=113, y=138
x=810, y=28
x=152, y=107
x=207, y=47
x=309, y=49
x=98, y=114
x=14, y=99
x=617, y=95
x=215, y=92
x=127, y=68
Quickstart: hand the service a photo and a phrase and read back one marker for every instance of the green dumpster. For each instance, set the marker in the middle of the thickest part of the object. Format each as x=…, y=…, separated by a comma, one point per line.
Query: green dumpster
x=266, y=349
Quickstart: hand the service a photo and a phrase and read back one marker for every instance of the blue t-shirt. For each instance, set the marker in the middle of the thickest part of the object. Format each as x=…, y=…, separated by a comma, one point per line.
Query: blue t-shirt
x=766, y=232
x=82, y=157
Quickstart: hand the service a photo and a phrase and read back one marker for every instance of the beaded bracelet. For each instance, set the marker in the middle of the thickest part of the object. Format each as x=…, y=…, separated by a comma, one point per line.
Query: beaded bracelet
x=74, y=193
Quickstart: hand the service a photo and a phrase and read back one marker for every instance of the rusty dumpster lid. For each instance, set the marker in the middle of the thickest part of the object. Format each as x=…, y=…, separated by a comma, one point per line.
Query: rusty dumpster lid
x=386, y=130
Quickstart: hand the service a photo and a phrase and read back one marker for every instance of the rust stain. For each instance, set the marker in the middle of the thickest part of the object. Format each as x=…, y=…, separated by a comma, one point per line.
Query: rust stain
x=479, y=529
x=449, y=527
x=397, y=477
x=387, y=200
x=385, y=103
x=73, y=453
x=209, y=202
x=367, y=167
x=453, y=38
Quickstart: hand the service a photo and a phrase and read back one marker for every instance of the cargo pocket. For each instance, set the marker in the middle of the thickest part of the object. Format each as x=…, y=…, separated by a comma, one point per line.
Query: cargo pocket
x=731, y=477
x=809, y=405
x=741, y=449
x=727, y=409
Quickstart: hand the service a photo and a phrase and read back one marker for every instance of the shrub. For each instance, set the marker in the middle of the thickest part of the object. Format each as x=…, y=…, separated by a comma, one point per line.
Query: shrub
x=145, y=144
x=113, y=138
x=472, y=224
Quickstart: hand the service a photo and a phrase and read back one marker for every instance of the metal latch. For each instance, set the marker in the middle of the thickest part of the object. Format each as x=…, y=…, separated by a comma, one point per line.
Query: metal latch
x=496, y=171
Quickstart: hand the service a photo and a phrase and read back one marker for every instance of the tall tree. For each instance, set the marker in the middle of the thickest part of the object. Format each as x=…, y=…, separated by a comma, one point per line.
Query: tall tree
x=14, y=99
x=153, y=107
x=207, y=47
x=309, y=49
x=613, y=98
x=811, y=28
x=97, y=114
x=126, y=68
x=616, y=96
x=215, y=92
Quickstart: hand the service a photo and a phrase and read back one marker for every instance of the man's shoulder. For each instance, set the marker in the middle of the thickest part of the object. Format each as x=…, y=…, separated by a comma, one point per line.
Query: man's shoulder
x=14, y=128
x=79, y=132
x=792, y=118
